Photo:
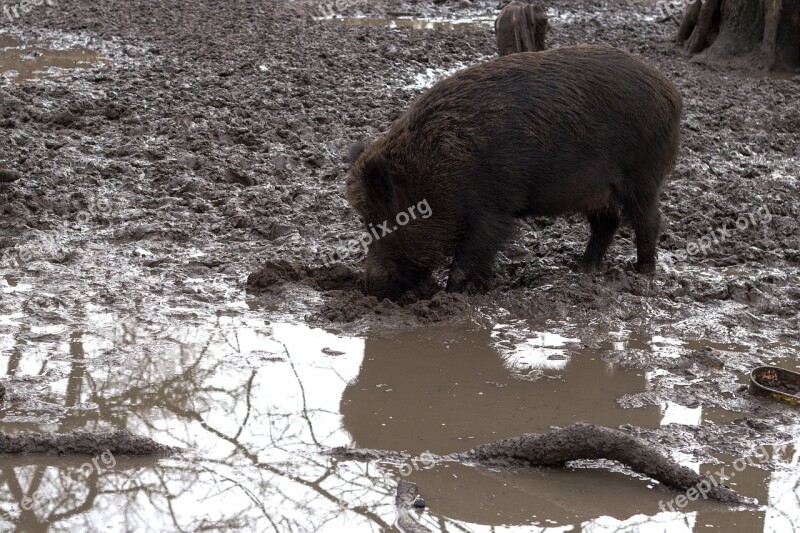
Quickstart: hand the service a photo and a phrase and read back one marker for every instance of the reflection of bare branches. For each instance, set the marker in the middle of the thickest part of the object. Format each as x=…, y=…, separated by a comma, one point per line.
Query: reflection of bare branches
x=302, y=396
x=639, y=523
x=67, y=500
x=787, y=495
x=164, y=485
x=443, y=525
x=88, y=502
x=248, y=403
x=250, y=495
x=149, y=392
x=253, y=458
x=13, y=361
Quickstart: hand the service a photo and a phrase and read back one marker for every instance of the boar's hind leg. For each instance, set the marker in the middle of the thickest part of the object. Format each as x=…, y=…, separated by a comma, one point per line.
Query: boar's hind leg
x=471, y=269
x=646, y=221
x=604, y=225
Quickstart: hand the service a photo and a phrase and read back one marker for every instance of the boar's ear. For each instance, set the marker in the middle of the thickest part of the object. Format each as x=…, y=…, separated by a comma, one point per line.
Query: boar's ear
x=378, y=184
x=355, y=150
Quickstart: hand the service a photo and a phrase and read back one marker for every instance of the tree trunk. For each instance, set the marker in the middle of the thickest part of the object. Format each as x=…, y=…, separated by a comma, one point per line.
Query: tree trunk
x=521, y=27
x=743, y=33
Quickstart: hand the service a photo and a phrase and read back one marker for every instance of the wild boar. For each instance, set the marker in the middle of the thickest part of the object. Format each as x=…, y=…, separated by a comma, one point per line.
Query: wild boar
x=588, y=129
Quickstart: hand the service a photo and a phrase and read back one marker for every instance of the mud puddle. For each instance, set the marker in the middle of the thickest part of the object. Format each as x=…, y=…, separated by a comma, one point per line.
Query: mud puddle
x=773, y=75
x=254, y=402
x=789, y=363
x=22, y=61
x=413, y=395
x=473, y=23
x=220, y=151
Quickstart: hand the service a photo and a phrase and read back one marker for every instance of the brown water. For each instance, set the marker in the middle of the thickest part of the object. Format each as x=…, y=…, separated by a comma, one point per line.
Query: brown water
x=254, y=402
x=409, y=383
x=25, y=61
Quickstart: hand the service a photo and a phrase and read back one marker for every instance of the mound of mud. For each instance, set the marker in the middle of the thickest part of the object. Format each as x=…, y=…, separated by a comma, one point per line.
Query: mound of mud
x=344, y=298
x=82, y=443
x=8, y=176
x=274, y=274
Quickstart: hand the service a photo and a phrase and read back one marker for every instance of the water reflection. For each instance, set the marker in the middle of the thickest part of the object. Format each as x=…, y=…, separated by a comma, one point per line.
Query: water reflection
x=29, y=61
x=255, y=402
x=250, y=402
x=411, y=394
x=784, y=495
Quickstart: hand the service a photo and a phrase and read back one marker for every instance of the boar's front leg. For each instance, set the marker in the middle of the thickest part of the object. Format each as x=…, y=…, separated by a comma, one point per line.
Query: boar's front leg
x=471, y=269
x=470, y=272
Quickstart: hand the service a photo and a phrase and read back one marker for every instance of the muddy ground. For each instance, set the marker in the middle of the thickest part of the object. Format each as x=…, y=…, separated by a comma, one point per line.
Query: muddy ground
x=199, y=160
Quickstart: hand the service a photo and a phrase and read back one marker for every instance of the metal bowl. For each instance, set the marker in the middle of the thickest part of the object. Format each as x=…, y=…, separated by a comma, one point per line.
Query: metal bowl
x=776, y=383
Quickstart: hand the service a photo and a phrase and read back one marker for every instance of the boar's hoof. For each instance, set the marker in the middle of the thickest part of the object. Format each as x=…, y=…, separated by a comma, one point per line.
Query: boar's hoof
x=646, y=268
x=588, y=268
x=460, y=281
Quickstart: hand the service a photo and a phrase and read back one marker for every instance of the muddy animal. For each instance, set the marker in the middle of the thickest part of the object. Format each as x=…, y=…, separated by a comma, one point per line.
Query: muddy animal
x=521, y=27
x=588, y=129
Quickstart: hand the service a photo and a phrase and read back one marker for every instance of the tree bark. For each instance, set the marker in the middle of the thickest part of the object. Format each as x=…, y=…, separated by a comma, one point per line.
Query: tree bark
x=744, y=33
x=697, y=41
x=689, y=21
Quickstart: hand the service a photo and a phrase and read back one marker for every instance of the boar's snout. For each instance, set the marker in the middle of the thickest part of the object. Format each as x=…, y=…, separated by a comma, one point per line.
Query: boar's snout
x=383, y=287
x=380, y=283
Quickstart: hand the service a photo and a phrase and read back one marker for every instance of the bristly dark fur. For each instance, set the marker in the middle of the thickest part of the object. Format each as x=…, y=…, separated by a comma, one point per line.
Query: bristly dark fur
x=590, y=129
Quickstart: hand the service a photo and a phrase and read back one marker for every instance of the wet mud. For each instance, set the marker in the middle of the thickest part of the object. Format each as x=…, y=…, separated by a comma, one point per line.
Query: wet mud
x=575, y=442
x=171, y=191
x=81, y=443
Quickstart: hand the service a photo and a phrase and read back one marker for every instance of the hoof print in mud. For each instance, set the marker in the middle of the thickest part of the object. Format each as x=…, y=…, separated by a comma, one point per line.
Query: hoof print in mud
x=274, y=273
